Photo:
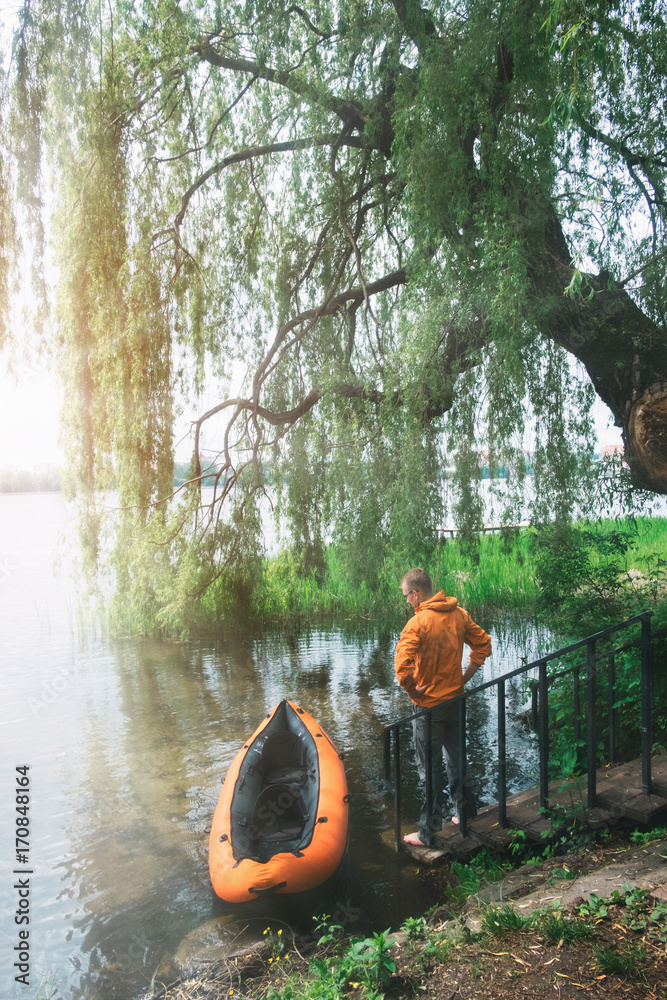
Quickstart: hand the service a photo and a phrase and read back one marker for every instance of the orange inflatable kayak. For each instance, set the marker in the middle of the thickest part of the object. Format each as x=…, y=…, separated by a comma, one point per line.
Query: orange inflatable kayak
x=281, y=821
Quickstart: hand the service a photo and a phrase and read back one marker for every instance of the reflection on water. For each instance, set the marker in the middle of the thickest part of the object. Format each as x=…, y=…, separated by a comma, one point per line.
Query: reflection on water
x=127, y=743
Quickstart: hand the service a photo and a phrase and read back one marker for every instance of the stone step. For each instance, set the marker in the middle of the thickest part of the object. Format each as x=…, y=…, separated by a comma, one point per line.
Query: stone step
x=619, y=796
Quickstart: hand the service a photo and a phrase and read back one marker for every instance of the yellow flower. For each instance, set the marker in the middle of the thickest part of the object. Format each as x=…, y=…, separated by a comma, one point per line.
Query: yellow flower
x=280, y=932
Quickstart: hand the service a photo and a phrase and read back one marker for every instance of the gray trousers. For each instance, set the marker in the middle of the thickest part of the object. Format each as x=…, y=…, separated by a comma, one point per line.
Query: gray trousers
x=444, y=740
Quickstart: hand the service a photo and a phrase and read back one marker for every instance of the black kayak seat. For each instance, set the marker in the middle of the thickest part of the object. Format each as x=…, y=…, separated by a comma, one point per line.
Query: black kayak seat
x=283, y=759
x=279, y=813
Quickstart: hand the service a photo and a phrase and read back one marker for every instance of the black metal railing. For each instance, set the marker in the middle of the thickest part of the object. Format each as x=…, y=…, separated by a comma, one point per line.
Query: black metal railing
x=539, y=687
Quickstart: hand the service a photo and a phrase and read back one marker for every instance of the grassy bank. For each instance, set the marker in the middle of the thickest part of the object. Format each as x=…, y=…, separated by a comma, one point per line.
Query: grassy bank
x=500, y=571
x=579, y=578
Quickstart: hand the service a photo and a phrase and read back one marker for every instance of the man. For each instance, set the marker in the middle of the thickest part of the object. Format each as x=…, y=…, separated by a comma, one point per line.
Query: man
x=429, y=667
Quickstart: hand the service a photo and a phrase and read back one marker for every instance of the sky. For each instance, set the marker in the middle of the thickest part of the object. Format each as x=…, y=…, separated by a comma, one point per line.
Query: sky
x=30, y=404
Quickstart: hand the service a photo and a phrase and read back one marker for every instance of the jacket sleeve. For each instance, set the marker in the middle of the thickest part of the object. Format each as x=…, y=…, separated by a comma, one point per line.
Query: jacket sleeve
x=479, y=642
x=405, y=662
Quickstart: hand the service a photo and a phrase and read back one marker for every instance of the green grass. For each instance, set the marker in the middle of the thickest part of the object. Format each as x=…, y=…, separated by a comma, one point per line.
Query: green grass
x=626, y=962
x=501, y=573
x=556, y=927
x=504, y=578
x=509, y=573
x=500, y=921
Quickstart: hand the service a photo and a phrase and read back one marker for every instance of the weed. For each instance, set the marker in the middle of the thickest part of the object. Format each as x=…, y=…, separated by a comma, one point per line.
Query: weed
x=467, y=883
x=414, y=927
x=559, y=928
x=328, y=932
x=476, y=969
x=596, y=907
x=620, y=963
x=518, y=841
x=563, y=873
x=499, y=921
x=438, y=947
x=485, y=867
x=367, y=959
x=275, y=943
x=643, y=914
x=643, y=838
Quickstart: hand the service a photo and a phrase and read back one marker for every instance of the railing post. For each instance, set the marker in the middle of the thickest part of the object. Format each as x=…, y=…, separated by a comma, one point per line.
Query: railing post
x=543, y=734
x=577, y=710
x=397, y=787
x=502, y=762
x=429, y=775
x=611, y=701
x=386, y=755
x=534, y=723
x=591, y=726
x=463, y=768
x=647, y=733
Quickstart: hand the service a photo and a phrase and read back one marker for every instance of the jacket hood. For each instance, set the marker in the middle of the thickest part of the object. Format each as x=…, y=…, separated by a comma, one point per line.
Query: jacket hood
x=438, y=603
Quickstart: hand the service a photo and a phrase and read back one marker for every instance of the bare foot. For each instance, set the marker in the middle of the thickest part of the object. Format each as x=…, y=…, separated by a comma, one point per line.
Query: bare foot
x=414, y=838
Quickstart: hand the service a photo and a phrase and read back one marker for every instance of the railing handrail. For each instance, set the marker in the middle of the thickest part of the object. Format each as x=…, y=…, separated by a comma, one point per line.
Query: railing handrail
x=539, y=688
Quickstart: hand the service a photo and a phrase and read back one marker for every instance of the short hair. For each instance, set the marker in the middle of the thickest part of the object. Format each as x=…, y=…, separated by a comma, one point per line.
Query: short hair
x=418, y=579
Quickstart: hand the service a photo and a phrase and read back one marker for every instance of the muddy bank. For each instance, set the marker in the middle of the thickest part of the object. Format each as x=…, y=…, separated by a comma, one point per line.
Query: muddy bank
x=541, y=928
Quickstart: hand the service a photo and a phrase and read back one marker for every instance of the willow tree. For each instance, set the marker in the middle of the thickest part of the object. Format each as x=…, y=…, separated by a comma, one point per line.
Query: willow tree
x=389, y=237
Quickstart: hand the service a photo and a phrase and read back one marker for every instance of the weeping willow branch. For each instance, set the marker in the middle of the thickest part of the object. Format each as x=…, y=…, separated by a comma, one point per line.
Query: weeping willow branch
x=350, y=112
x=253, y=153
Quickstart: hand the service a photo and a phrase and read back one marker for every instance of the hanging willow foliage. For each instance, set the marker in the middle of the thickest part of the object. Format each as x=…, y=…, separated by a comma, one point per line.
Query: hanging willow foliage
x=389, y=239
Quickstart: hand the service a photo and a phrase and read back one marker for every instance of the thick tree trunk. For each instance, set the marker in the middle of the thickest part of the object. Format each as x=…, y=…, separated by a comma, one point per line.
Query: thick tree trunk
x=625, y=354
x=623, y=351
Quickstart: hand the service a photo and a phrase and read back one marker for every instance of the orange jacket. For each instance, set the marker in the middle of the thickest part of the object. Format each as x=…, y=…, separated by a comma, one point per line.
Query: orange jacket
x=429, y=652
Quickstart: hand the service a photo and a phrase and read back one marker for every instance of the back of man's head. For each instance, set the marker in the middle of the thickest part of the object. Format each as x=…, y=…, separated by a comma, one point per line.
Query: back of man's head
x=418, y=579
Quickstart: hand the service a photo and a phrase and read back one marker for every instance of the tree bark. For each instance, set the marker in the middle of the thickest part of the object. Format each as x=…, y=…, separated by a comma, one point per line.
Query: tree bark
x=622, y=349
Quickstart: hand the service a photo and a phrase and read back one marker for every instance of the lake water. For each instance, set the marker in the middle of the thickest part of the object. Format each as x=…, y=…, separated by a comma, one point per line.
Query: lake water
x=126, y=743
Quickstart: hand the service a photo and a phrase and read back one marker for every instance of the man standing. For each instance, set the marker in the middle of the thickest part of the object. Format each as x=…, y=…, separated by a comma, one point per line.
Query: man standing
x=429, y=667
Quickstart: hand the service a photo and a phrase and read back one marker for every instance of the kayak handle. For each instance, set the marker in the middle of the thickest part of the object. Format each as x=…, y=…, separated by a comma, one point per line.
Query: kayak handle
x=269, y=888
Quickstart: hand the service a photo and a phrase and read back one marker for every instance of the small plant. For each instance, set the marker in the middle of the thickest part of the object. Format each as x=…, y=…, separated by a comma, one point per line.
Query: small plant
x=643, y=914
x=596, y=907
x=499, y=921
x=467, y=882
x=414, y=927
x=476, y=969
x=328, y=932
x=484, y=868
x=643, y=838
x=620, y=963
x=559, y=928
x=368, y=960
x=518, y=841
x=275, y=943
x=563, y=873
x=438, y=948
